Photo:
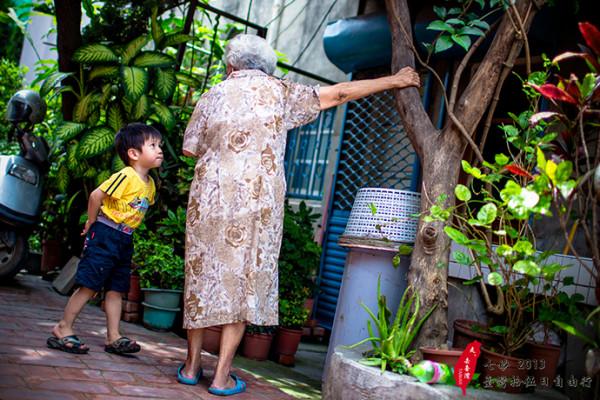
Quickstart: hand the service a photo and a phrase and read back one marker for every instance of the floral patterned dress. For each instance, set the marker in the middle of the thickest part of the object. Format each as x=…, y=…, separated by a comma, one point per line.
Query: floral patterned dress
x=235, y=209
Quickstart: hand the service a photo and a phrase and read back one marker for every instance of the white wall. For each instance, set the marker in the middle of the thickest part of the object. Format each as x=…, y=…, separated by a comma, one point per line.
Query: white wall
x=292, y=31
x=39, y=29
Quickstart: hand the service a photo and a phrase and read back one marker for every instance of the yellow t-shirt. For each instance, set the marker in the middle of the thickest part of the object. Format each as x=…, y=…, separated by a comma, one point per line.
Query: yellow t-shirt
x=128, y=197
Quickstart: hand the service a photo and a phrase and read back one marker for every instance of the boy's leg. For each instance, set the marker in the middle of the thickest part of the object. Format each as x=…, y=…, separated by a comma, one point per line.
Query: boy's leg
x=76, y=303
x=112, y=306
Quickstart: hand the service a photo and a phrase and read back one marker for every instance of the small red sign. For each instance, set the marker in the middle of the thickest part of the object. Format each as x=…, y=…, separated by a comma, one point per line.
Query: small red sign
x=465, y=366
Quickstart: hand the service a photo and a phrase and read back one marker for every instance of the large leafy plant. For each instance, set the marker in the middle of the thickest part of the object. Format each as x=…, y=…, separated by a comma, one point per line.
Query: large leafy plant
x=300, y=255
x=391, y=347
x=574, y=115
x=157, y=262
x=117, y=84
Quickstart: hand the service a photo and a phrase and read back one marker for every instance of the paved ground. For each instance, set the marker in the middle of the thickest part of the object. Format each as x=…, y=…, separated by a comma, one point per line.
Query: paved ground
x=29, y=307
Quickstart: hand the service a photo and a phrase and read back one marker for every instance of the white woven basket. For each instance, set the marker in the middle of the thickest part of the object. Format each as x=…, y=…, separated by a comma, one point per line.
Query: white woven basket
x=394, y=209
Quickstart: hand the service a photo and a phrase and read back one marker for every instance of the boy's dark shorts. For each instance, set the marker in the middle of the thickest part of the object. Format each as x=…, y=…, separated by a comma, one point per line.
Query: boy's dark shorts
x=106, y=260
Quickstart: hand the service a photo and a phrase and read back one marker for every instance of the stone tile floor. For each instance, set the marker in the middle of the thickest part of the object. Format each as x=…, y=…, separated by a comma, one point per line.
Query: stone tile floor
x=29, y=307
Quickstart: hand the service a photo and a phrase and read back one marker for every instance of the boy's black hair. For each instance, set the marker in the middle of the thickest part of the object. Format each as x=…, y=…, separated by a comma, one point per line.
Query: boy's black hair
x=133, y=136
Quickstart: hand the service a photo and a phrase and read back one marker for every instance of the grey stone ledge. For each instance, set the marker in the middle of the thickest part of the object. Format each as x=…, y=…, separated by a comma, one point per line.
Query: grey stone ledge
x=347, y=379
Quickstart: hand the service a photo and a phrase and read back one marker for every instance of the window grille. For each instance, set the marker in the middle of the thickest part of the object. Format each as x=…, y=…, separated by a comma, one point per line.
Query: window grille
x=307, y=152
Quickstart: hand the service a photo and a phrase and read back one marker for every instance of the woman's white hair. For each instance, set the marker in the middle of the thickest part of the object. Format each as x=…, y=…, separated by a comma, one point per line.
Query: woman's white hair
x=250, y=52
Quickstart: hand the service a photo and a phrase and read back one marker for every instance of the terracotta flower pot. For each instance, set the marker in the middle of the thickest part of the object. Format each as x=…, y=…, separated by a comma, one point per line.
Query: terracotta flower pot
x=502, y=373
x=135, y=291
x=212, y=339
x=448, y=357
x=256, y=345
x=464, y=334
x=52, y=254
x=287, y=340
x=542, y=361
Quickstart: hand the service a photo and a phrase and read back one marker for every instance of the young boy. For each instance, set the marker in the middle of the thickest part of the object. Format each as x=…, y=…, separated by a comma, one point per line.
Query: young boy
x=115, y=209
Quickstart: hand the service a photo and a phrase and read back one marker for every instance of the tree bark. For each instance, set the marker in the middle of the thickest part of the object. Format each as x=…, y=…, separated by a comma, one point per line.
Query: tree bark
x=440, y=153
x=68, y=40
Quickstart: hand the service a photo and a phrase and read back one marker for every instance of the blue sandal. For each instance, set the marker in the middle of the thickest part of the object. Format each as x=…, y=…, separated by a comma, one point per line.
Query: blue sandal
x=187, y=381
x=240, y=386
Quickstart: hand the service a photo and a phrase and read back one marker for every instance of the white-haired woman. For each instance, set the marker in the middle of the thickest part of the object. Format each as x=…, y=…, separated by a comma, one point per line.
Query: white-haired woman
x=237, y=133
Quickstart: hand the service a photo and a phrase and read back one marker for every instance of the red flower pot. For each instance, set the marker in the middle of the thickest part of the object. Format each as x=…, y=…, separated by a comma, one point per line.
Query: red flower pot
x=212, y=339
x=541, y=361
x=502, y=373
x=287, y=340
x=448, y=357
x=256, y=345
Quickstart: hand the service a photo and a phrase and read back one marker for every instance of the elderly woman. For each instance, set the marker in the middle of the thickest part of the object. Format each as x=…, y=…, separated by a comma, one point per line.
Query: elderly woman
x=237, y=133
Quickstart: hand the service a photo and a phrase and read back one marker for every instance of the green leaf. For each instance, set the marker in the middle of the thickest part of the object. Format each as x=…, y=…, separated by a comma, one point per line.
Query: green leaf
x=165, y=115
x=471, y=30
x=501, y=159
x=177, y=38
x=117, y=164
x=462, y=258
x=157, y=32
x=141, y=109
x=487, y=213
x=504, y=250
x=462, y=192
x=373, y=208
x=524, y=247
x=564, y=171
x=527, y=267
x=587, y=85
x=456, y=235
x=52, y=81
x=575, y=332
x=188, y=80
x=104, y=71
x=85, y=107
x=135, y=81
x=462, y=41
x=439, y=26
x=133, y=48
x=115, y=116
x=495, y=279
x=68, y=130
x=165, y=83
x=102, y=176
x=96, y=141
x=62, y=178
x=94, y=53
x=153, y=59
x=443, y=43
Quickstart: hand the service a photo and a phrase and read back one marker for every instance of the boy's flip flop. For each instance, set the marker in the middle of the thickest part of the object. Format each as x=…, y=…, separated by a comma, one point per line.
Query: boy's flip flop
x=122, y=346
x=61, y=344
x=240, y=386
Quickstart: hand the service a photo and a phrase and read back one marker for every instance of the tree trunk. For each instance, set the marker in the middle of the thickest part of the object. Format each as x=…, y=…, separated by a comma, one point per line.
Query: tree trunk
x=440, y=153
x=68, y=40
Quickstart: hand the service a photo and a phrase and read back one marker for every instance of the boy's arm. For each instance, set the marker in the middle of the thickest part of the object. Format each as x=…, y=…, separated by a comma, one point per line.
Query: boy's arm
x=94, y=204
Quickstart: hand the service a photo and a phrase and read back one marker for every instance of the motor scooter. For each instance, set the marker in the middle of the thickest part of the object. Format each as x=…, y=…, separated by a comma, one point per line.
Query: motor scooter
x=21, y=181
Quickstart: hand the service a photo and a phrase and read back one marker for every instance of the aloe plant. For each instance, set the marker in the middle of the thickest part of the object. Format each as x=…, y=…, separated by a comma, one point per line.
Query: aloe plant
x=391, y=348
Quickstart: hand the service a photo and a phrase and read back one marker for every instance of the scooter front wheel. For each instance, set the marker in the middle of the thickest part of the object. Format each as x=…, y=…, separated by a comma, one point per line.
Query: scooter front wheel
x=14, y=250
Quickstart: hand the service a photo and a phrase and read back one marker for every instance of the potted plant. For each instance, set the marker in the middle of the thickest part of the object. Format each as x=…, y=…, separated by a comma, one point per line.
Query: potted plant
x=292, y=316
x=298, y=264
x=492, y=223
x=300, y=255
x=391, y=349
x=54, y=229
x=162, y=277
x=257, y=341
